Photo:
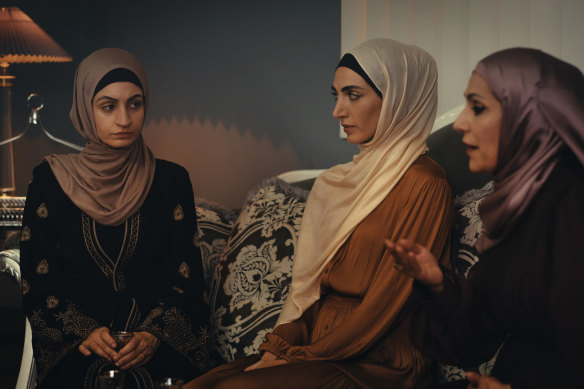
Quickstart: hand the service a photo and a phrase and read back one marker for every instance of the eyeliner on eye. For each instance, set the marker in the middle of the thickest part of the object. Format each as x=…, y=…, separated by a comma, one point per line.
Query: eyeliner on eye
x=478, y=110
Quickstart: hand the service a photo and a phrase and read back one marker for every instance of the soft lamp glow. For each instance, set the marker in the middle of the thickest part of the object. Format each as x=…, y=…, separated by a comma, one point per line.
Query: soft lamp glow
x=21, y=40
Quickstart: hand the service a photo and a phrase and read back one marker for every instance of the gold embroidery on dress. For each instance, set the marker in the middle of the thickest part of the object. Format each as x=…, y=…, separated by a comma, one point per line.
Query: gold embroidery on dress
x=76, y=323
x=90, y=245
x=25, y=236
x=197, y=239
x=112, y=270
x=25, y=286
x=42, y=267
x=49, y=347
x=178, y=333
x=177, y=289
x=42, y=211
x=184, y=270
x=39, y=328
x=47, y=358
x=130, y=248
x=52, y=302
x=133, y=319
x=178, y=213
x=147, y=324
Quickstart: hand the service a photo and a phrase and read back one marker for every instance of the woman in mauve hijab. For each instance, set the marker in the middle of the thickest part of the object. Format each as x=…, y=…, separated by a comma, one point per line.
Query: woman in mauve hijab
x=523, y=122
x=109, y=244
x=345, y=321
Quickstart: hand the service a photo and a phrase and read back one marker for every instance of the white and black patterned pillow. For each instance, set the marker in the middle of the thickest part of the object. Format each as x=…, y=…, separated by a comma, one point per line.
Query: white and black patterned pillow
x=253, y=275
x=215, y=224
x=10, y=263
x=468, y=228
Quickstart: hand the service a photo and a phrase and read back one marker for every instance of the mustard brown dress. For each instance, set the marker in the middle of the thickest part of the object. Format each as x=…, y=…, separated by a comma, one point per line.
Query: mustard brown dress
x=356, y=335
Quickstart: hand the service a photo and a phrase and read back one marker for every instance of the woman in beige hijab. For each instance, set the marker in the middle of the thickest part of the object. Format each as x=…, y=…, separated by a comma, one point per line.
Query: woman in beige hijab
x=345, y=321
x=108, y=245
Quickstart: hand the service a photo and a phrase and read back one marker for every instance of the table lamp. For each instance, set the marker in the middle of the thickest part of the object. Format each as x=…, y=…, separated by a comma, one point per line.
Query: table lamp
x=21, y=41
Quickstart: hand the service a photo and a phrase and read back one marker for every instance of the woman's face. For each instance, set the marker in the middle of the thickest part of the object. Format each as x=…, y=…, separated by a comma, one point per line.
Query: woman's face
x=480, y=124
x=357, y=105
x=118, y=111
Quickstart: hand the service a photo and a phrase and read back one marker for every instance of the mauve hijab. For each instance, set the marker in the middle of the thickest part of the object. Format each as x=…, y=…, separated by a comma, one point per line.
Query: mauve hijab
x=108, y=184
x=542, y=101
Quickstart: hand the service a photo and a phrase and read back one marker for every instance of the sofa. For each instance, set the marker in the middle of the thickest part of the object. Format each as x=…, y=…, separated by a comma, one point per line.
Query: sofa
x=248, y=254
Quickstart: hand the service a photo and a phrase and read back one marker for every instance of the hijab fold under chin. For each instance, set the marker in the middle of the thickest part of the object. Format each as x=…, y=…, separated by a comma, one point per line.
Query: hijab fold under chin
x=108, y=184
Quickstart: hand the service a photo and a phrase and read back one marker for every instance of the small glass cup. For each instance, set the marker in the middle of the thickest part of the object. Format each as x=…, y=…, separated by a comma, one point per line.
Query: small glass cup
x=170, y=383
x=122, y=338
x=111, y=379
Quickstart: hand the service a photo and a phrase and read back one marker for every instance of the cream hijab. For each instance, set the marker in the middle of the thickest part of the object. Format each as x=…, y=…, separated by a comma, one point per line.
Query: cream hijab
x=108, y=184
x=345, y=194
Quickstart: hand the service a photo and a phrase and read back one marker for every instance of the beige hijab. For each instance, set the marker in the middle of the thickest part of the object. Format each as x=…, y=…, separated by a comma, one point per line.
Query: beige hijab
x=345, y=194
x=108, y=184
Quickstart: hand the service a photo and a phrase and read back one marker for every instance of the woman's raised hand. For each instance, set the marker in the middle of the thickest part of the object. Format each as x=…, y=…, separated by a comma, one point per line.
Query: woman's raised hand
x=418, y=262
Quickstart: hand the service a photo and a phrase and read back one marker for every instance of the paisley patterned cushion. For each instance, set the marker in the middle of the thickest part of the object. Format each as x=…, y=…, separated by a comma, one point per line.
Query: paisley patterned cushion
x=468, y=227
x=10, y=263
x=252, y=277
x=214, y=224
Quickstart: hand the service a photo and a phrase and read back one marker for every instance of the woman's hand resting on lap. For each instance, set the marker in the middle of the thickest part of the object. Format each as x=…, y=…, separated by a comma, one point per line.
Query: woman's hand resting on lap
x=101, y=343
x=268, y=360
x=418, y=262
x=138, y=351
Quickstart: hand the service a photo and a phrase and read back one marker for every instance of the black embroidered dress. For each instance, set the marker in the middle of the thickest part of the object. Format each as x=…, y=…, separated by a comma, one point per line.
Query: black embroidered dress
x=143, y=275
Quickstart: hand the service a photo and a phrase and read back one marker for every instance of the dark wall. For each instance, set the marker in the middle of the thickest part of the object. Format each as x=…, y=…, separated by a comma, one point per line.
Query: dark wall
x=254, y=70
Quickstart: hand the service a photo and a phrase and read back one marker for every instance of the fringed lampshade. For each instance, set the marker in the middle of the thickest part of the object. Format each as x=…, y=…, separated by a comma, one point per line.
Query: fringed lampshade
x=21, y=41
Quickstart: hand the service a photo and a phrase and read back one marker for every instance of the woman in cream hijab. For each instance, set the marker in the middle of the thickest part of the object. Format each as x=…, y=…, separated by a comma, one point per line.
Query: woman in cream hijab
x=344, y=323
x=107, y=245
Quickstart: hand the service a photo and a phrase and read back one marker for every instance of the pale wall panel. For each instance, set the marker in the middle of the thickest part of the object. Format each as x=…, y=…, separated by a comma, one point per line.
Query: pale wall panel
x=377, y=18
x=514, y=23
x=545, y=25
x=572, y=44
x=458, y=33
x=354, y=24
x=428, y=25
x=483, y=29
x=401, y=21
x=454, y=51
